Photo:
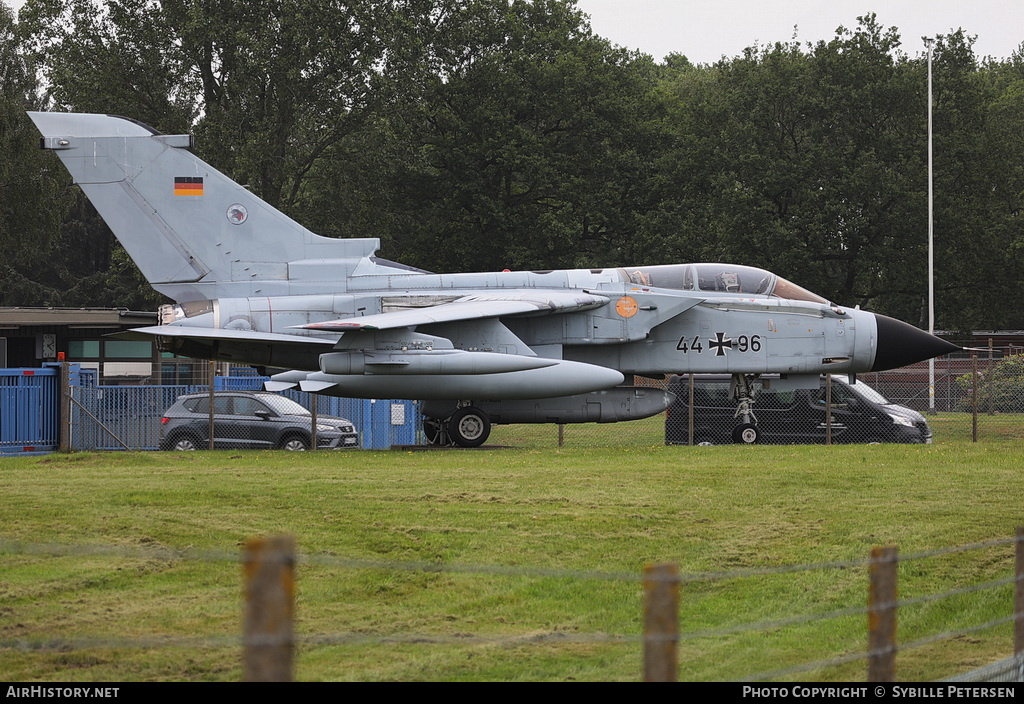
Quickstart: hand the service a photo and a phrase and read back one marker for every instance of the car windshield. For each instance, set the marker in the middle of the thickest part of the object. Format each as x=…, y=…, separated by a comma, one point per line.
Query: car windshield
x=870, y=394
x=283, y=406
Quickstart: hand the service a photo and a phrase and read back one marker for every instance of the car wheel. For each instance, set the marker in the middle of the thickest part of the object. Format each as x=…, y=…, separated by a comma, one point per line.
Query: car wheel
x=469, y=427
x=183, y=443
x=746, y=434
x=294, y=443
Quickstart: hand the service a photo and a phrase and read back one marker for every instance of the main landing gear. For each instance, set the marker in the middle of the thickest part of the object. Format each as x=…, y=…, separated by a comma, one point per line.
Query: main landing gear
x=747, y=432
x=468, y=426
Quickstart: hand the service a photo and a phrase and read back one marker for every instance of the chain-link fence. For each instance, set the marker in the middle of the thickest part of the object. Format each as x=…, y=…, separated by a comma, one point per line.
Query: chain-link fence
x=959, y=398
x=234, y=414
x=714, y=410
x=973, y=397
x=978, y=397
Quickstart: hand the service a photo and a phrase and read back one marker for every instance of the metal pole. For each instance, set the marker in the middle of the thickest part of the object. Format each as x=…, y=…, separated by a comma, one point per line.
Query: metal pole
x=974, y=397
x=211, y=368
x=65, y=405
x=314, y=440
x=689, y=410
x=931, y=234
x=828, y=409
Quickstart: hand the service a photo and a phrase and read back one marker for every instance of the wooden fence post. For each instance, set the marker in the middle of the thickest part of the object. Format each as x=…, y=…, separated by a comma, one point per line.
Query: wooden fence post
x=268, y=631
x=882, y=594
x=661, y=623
x=1018, y=595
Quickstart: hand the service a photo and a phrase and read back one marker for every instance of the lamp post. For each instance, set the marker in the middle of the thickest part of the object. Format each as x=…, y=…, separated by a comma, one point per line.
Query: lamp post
x=928, y=41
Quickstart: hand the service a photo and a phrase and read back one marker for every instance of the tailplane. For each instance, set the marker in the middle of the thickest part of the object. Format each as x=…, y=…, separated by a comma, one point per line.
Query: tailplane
x=193, y=232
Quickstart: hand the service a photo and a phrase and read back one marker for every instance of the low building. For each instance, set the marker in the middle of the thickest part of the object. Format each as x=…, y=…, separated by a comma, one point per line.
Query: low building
x=32, y=336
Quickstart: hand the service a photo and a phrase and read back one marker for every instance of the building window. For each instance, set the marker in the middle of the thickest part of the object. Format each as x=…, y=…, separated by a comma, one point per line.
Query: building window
x=128, y=349
x=84, y=349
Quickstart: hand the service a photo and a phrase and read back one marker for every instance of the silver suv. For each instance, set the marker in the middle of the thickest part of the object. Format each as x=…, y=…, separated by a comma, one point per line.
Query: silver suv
x=249, y=420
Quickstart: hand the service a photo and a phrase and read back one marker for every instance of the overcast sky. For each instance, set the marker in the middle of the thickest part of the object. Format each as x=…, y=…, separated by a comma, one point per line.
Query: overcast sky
x=706, y=30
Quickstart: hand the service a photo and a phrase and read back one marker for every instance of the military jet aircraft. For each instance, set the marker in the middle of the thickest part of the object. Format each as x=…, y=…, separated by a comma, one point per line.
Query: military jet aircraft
x=253, y=286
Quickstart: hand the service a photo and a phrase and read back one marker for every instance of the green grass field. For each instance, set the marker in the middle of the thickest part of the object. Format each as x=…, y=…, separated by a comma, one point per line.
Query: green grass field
x=535, y=541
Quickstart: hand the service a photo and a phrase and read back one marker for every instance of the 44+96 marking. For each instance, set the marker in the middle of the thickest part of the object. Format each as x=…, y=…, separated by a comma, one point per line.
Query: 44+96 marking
x=720, y=344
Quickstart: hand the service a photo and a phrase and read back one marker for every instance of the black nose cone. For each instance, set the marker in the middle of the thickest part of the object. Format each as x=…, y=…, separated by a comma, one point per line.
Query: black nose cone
x=900, y=344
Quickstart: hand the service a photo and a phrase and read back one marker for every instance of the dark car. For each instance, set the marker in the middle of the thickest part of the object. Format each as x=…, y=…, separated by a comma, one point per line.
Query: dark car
x=249, y=420
x=859, y=414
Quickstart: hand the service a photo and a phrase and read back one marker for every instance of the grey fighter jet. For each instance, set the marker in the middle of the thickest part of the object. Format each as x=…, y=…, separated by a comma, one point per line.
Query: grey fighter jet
x=253, y=286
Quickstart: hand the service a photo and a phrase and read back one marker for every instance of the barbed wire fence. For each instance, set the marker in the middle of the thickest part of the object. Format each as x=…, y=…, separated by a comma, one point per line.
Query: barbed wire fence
x=268, y=635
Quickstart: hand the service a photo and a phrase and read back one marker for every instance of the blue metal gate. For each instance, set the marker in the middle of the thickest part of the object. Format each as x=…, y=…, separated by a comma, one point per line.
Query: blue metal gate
x=128, y=417
x=29, y=408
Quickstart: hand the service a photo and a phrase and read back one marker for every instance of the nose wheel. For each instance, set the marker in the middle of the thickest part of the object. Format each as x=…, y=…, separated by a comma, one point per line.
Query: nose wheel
x=746, y=434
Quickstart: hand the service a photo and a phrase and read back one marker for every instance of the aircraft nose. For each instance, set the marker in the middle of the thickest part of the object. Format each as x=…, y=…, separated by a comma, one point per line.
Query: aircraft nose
x=900, y=344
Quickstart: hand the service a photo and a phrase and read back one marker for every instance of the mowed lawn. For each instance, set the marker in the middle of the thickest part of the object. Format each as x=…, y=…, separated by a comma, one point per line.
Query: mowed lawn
x=537, y=552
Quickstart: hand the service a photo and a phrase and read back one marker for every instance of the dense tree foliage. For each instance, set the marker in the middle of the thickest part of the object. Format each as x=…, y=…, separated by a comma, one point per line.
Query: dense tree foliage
x=808, y=162
x=524, y=145
x=56, y=250
x=490, y=134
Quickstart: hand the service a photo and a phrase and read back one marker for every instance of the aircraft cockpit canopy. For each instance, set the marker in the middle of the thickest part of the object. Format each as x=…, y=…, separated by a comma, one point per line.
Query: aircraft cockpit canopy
x=722, y=278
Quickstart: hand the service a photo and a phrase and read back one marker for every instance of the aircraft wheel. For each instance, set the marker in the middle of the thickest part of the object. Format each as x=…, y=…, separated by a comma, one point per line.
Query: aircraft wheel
x=469, y=427
x=746, y=434
x=434, y=432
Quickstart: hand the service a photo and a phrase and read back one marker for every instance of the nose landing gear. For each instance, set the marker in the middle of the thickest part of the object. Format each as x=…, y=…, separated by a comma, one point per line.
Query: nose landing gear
x=747, y=432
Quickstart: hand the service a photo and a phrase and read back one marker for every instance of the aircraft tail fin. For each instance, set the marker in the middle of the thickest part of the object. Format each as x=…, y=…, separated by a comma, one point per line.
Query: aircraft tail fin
x=193, y=232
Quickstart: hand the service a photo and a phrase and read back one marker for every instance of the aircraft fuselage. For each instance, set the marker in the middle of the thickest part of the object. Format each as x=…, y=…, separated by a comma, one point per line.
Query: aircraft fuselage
x=640, y=330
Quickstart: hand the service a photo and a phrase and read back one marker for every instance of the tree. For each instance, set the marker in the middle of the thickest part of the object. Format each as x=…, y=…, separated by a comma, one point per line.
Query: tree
x=978, y=186
x=801, y=160
x=999, y=389
x=518, y=140
x=490, y=134
x=265, y=85
x=32, y=206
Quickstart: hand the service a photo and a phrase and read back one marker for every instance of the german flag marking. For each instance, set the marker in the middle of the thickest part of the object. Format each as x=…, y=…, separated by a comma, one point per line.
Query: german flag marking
x=188, y=185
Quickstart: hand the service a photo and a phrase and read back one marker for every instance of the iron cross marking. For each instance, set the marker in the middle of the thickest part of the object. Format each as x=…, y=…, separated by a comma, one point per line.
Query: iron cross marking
x=720, y=344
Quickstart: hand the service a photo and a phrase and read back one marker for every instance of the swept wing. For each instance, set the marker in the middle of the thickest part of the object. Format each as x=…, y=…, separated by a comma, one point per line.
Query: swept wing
x=474, y=307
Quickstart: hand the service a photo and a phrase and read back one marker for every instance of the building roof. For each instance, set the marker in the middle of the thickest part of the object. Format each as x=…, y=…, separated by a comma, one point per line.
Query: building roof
x=74, y=317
